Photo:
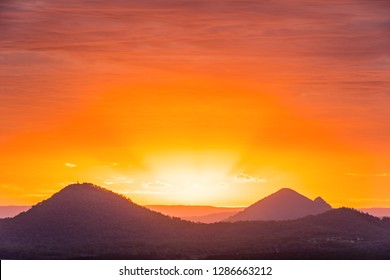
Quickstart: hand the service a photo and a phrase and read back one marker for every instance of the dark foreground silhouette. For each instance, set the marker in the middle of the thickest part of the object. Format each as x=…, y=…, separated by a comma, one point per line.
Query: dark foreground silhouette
x=84, y=221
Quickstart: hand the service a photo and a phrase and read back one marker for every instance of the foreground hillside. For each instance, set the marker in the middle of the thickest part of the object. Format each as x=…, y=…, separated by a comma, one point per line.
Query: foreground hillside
x=84, y=221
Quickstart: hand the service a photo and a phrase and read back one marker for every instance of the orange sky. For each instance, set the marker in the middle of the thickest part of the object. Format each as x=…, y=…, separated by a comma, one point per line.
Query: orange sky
x=193, y=102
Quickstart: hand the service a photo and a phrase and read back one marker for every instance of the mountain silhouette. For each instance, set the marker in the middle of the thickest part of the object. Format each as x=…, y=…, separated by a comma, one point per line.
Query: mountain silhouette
x=84, y=221
x=85, y=213
x=285, y=204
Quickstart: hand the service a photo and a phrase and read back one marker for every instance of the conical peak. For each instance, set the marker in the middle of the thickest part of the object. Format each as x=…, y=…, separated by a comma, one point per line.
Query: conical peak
x=287, y=193
x=286, y=190
x=285, y=204
x=319, y=199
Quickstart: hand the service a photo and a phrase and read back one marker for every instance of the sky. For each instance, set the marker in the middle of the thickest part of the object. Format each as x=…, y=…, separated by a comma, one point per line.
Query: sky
x=196, y=102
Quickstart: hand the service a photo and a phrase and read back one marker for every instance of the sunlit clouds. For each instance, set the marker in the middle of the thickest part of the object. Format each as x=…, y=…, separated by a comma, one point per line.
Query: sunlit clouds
x=196, y=102
x=155, y=185
x=245, y=178
x=114, y=180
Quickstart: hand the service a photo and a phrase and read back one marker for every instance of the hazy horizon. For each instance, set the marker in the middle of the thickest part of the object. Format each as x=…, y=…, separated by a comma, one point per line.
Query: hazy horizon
x=196, y=213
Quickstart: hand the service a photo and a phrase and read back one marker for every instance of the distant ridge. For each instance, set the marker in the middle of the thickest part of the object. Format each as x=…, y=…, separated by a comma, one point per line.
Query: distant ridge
x=285, y=204
x=378, y=212
x=12, y=211
x=84, y=221
x=195, y=213
x=212, y=215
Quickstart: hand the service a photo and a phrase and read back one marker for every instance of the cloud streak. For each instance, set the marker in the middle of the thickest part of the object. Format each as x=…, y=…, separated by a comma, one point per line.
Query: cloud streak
x=245, y=178
x=156, y=185
x=119, y=180
x=333, y=55
x=158, y=33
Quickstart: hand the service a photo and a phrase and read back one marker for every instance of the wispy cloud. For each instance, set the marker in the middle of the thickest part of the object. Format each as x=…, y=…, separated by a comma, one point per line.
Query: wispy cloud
x=121, y=180
x=156, y=185
x=245, y=178
x=145, y=192
x=70, y=165
x=45, y=59
x=8, y=187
